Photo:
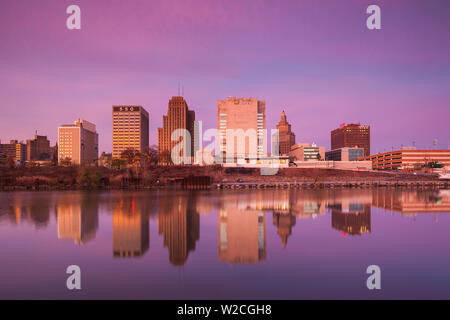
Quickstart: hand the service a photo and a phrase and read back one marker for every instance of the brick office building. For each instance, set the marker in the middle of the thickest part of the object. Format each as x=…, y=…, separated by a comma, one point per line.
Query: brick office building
x=351, y=135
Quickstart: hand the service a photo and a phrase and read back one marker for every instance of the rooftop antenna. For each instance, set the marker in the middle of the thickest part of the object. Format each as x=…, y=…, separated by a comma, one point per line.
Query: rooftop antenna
x=178, y=88
x=182, y=91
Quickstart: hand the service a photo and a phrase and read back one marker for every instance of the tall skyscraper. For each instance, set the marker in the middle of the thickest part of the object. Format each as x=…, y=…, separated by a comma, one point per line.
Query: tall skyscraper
x=286, y=137
x=39, y=149
x=240, y=124
x=78, y=142
x=130, y=129
x=178, y=117
x=351, y=135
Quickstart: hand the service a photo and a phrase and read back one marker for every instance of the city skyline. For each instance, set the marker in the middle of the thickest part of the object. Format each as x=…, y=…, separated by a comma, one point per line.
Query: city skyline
x=308, y=59
x=145, y=136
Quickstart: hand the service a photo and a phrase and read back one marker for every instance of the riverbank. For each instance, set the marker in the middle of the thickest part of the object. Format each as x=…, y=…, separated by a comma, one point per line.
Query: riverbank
x=75, y=178
x=336, y=184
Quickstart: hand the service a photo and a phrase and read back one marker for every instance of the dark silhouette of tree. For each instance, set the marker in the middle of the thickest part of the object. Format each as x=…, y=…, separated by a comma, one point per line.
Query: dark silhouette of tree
x=117, y=163
x=88, y=178
x=151, y=155
x=131, y=156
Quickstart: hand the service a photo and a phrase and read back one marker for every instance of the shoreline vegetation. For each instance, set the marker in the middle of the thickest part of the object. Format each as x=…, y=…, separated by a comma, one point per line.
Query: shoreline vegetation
x=201, y=177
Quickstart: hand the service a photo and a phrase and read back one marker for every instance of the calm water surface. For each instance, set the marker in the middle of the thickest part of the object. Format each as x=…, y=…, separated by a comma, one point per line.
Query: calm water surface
x=251, y=244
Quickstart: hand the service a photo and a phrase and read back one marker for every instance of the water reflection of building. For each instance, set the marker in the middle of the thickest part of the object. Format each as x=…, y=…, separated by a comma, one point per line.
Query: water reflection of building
x=242, y=227
x=242, y=236
x=349, y=198
x=179, y=224
x=77, y=218
x=240, y=213
x=411, y=202
x=205, y=204
x=313, y=203
x=353, y=219
x=34, y=210
x=284, y=223
x=309, y=205
x=130, y=228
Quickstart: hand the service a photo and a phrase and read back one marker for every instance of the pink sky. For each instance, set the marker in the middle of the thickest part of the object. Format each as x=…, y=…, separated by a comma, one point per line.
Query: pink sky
x=314, y=59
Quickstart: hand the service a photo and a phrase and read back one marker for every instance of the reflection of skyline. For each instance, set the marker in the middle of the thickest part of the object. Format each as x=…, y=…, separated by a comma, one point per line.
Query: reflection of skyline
x=131, y=236
x=34, y=211
x=241, y=216
x=412, y=202
x=179, y=224
x=353, y=219
x=236, y=229
x=77, y=218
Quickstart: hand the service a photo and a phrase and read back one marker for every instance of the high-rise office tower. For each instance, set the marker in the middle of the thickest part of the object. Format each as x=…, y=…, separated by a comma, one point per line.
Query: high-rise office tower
x=241, y=123
x=78, y=142
x=178, y=117
x=130, y=129
x=286, y=136
x=351, y=135
x=39, y=149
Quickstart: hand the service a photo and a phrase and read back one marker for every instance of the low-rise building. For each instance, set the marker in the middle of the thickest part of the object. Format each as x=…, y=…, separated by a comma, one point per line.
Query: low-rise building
x=407, y=159
x=105, y=160
x=307, y=152
x=339, y=165
x=258, y=162
x=344, y=154
x=14, y=150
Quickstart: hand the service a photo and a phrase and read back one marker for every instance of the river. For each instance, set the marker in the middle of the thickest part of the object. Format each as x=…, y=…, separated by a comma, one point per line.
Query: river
x=226, y=244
